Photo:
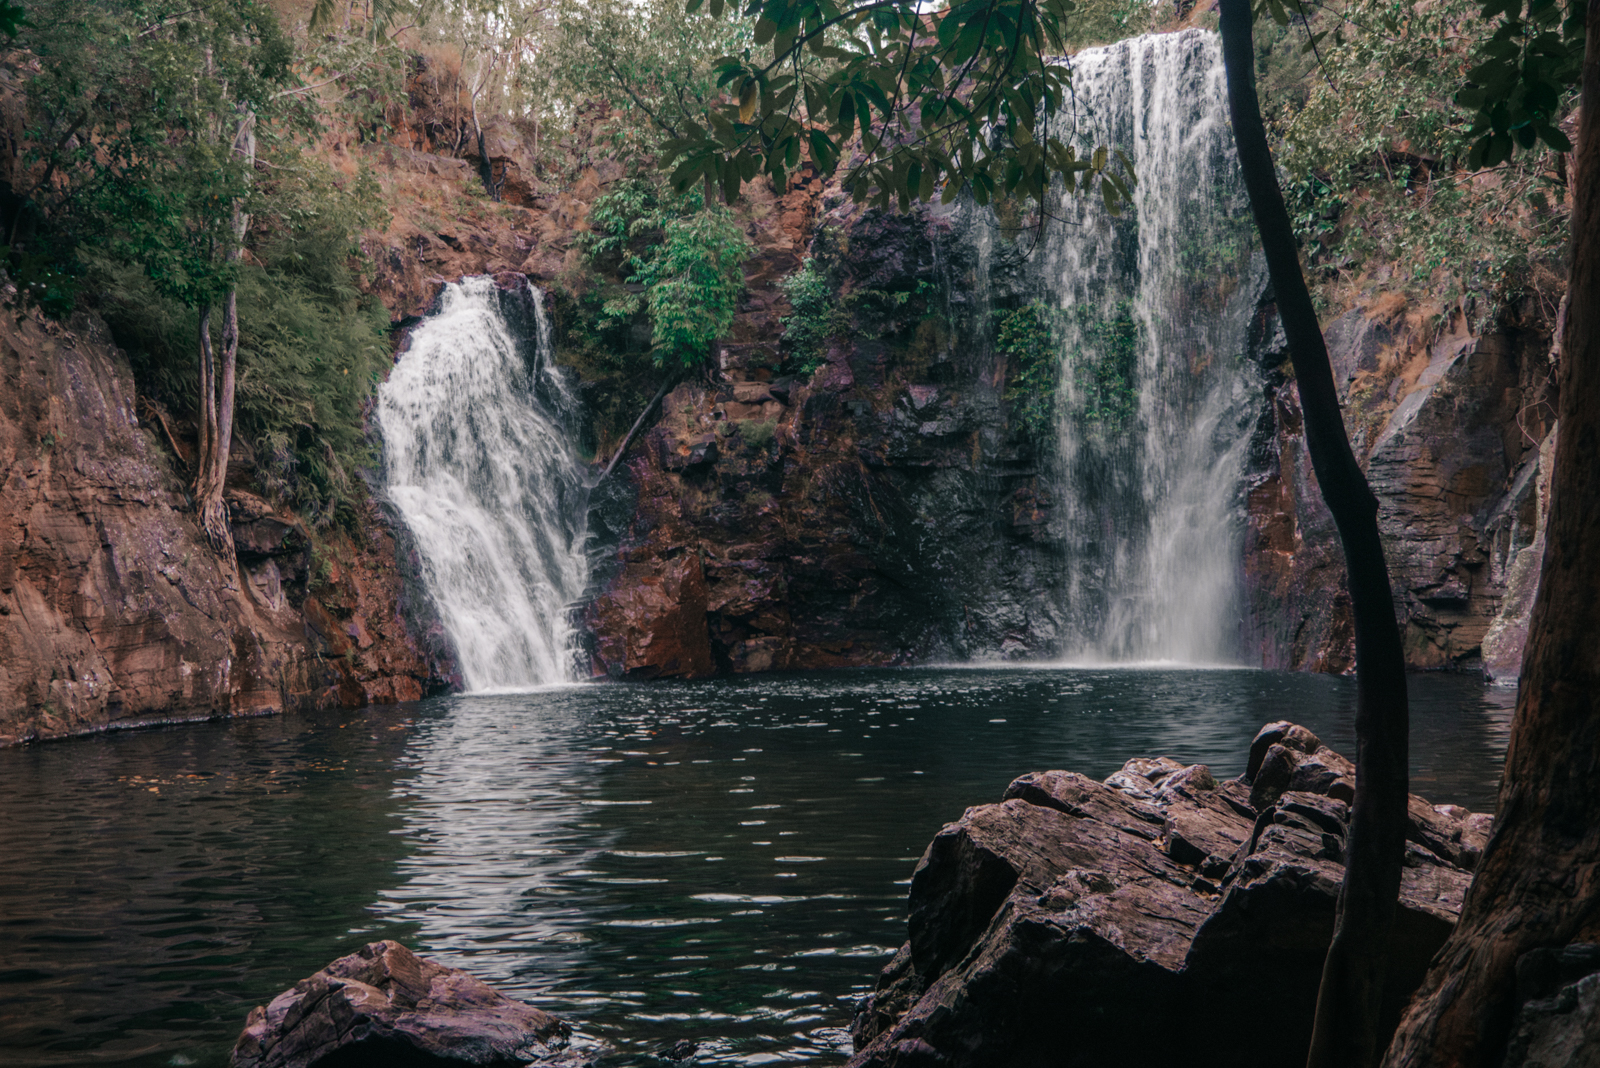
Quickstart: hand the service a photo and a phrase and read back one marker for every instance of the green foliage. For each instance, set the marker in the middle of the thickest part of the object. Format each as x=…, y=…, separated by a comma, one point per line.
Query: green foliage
x=12, y=18
x=1102, y=364
x=311, y=351
x=1027, y=340
x=686, y=263
x=1526, y=71
x=965, y=106
x=758, y=434
x=629, y=219
x=131, y=120
x=816, y=318
x=1100, y=22
x=1383, y=156
x=692, y=284
x=653, y=65
x=133, y=180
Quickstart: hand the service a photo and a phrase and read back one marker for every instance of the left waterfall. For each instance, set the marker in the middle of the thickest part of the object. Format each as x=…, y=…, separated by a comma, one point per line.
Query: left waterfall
x=478, y=461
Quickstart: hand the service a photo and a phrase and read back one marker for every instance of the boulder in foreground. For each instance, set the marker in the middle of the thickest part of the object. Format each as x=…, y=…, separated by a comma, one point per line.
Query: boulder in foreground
x=1161, y=914
x=384, y=1006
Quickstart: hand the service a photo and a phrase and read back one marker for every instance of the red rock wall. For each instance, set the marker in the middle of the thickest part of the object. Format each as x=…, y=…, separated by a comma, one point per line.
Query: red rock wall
x=1450, y=425
x=114, y=612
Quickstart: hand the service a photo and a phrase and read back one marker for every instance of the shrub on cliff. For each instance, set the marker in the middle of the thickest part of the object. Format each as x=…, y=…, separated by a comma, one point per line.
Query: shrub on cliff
x=816, y=317
x=311, y=346
x=692, y=284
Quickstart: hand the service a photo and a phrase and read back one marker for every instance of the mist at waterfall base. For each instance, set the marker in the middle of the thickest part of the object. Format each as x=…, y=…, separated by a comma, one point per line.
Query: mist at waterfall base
x=722, y=861
x=477, y=427
x=1157, y=399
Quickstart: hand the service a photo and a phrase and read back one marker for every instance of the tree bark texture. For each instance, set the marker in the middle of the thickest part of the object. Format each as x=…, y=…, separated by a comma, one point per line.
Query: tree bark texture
x=217, y=389
x=1347, y=1030
x=1538, y=884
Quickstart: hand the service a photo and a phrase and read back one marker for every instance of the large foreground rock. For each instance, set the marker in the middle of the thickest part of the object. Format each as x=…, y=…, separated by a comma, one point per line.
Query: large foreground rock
x=1160, y=913
x=384, y=1005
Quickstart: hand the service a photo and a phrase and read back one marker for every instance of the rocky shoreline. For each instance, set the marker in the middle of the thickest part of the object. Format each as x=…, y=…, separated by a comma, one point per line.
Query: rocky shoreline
x=1161, y=909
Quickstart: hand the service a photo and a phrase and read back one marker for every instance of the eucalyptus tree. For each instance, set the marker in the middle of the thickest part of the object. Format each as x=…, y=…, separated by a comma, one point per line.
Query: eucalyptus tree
x=1534, y=893
x=143, y=123
x=142, y=126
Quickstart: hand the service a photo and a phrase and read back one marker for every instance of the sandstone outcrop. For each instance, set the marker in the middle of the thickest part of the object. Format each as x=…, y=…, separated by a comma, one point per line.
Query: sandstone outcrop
x=877, y=511
x=113, y=612
x=384, y=1005
x=1160, y=907
x=1454, y=429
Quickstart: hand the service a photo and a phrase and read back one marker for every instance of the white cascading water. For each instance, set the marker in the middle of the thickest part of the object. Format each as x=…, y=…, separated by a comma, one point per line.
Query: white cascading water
x=479, y=463
x=1157, y=397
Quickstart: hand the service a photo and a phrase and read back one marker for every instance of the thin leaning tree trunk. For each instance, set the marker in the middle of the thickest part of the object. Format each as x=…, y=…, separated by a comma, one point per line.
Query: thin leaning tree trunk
x=1537, y=888
x=1347, y=1029
x=637, y=423
x=217, y=390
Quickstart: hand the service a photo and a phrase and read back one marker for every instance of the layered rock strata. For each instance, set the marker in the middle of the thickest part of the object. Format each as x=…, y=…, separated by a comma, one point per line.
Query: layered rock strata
x=1162, y=907
x=113, y=610
x=1455, y=429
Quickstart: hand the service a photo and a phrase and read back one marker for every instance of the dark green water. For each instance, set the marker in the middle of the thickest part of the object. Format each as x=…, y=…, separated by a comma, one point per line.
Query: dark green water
x=721, y=861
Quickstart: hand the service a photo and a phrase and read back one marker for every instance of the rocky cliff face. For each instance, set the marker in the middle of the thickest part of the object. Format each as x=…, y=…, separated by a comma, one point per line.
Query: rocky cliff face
x=1455, y=431
x=886, y=509
x=113, y=612
x=878, y=511
x=881, y=510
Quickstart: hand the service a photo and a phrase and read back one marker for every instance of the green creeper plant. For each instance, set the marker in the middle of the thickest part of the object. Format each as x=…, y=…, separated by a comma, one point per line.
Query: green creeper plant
x=1027, y=339
x=815, y=317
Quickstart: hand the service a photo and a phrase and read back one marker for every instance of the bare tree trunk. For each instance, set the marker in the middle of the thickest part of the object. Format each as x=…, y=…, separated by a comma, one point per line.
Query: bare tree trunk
x=208, y=397
x=1538, y=885
x=637, y=423
x=211, y=467
x=216, y=391
x=1347, y=1029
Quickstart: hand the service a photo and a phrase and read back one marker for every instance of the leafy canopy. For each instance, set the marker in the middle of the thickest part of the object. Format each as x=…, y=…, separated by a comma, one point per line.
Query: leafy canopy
x=687, y=259
x=1523, y=75
x=972, y=94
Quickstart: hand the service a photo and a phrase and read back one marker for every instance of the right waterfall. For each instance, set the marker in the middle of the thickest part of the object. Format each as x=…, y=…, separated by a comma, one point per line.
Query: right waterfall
x=1157, y=396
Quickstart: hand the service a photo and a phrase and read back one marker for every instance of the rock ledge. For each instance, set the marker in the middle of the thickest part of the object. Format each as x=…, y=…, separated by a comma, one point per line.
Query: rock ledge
x=384, y=1005
x=1160, y=910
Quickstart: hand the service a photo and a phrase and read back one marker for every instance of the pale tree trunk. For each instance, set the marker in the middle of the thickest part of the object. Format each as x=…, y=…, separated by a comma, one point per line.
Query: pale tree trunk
x=1347, y=1032
x=217, y=389
x=1538, y=885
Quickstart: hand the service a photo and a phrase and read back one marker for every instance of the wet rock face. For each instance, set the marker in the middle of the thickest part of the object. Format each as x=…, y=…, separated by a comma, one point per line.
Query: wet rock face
x=1049, y=928
x=1450, y=427
x=113, y=610
x=383, y=1005
x=880, y=512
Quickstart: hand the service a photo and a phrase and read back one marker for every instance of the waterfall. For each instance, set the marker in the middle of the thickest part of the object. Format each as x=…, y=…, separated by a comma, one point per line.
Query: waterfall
x=478, y=461
x=1156, y=398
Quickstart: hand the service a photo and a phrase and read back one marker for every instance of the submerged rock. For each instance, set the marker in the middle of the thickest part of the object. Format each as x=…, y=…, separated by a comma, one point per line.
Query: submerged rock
x=1162, y=908
x=383, y=1005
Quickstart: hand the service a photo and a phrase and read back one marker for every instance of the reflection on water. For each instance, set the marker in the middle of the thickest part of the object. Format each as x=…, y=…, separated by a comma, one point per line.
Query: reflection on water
x=721, y=861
